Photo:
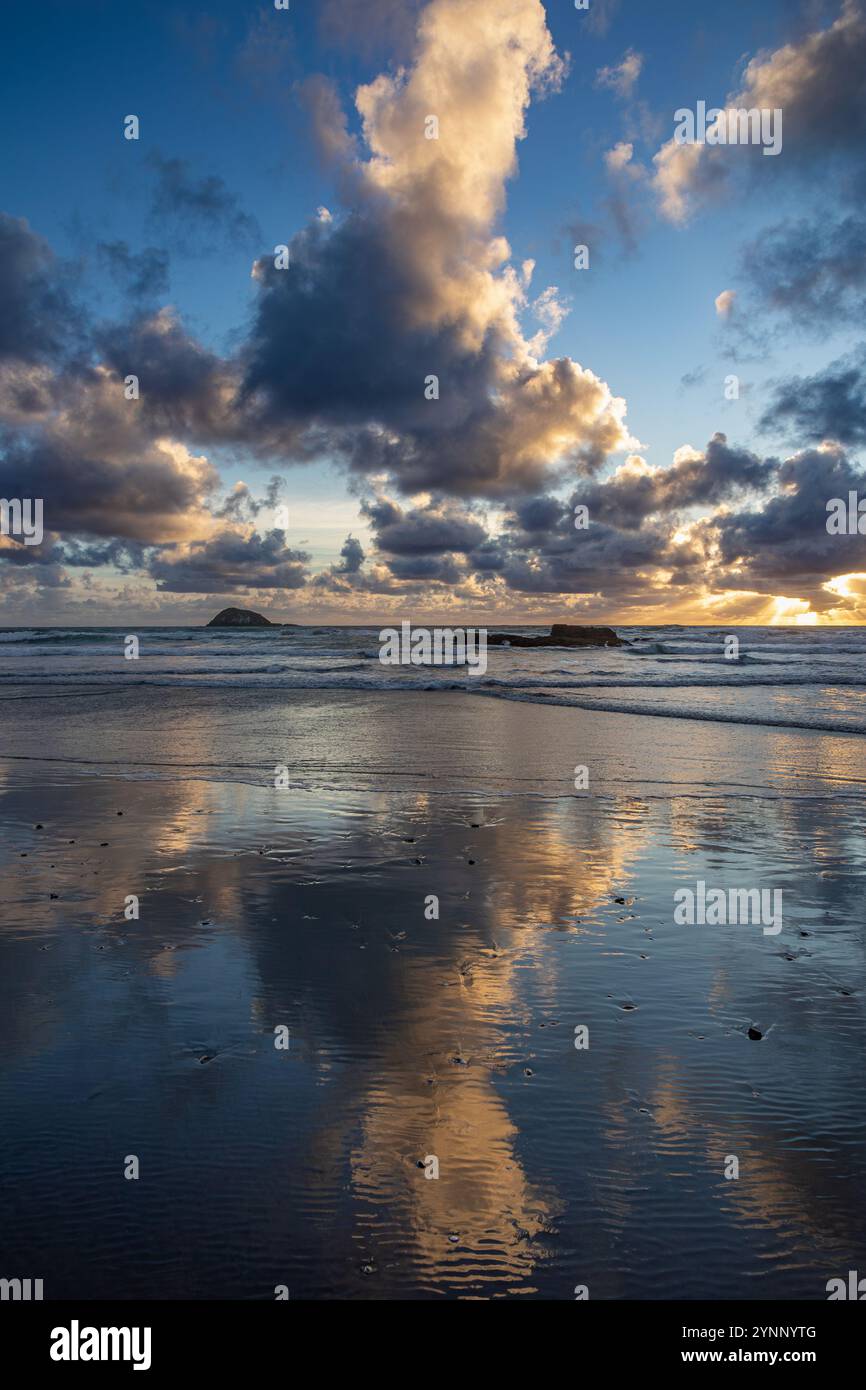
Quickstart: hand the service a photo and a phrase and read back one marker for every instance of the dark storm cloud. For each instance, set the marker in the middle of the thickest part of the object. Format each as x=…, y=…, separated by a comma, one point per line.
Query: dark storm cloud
x=706, y=479
x=351, y=557
x=442, y=569
x=829, y=405
x=422, y=530
x=598, y=560
x=231, y=562
x=182, y=383
x=38, y=315
x=632, y=520
x=307, y=358
x=785, y=545
x=95, y=482
x=312, y=359
x=631, y=495
x=539, y=514
x=125, y=556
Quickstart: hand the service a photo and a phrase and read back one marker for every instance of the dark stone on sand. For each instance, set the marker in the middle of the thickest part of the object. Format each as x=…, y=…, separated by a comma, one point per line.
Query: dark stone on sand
x=561, y=635
x=239, y=617
x=755, y=1034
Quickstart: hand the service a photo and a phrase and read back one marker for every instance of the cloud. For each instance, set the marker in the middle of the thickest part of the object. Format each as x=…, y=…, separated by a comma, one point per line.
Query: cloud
x=811, y=272
x=100, y=474
x=429, y=530
x=351, y=556
x=831, y=404
x=413, y=282
x=816, y=81
x=230, y=562
x=240, y=504
x=141, y=275
x=194, y=212
x=38, y=314
x=621, y=77
x=626, y=180
x=783, y=546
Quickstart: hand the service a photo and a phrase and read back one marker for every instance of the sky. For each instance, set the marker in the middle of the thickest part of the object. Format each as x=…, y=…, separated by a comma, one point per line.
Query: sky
x=319, y=340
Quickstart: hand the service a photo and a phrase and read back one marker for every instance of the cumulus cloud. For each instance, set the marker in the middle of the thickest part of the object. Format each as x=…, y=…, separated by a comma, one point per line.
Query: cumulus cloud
x=470, y=490
x=428, y=530
x=101, y=475
x=429, y=281
x=230, y=562
x=38, y=314
x=817, y=82
x=831, y=404
x=783, y=546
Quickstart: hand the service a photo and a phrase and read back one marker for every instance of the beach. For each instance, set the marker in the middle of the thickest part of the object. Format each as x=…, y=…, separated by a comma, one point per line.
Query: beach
x=471, y=960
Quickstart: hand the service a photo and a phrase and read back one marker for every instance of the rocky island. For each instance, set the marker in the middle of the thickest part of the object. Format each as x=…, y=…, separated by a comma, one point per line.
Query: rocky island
x=239, y=617
x=561, y=635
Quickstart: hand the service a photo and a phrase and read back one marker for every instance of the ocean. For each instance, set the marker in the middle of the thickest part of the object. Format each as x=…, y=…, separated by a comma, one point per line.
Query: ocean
x=789, y=677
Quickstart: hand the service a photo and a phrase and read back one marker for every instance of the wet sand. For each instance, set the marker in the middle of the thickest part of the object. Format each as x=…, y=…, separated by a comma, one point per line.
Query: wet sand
x=412, y=1037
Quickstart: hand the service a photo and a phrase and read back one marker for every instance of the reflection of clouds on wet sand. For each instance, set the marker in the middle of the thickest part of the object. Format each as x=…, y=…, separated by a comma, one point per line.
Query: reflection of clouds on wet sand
x=452, y=1037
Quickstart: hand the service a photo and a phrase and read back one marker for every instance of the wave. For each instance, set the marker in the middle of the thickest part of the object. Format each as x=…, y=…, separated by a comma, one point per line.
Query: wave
x=403, y=677
x=674, y=712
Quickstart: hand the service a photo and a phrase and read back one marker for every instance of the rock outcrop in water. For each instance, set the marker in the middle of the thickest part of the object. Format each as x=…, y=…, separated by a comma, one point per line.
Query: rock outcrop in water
x=239, y=617
x=561, y=635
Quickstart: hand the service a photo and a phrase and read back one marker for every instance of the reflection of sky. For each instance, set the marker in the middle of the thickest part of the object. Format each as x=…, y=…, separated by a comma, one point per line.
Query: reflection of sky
x=454, y=1038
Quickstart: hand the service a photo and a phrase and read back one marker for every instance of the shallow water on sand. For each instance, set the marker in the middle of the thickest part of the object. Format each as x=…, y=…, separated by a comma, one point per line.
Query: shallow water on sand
x=411, y=1037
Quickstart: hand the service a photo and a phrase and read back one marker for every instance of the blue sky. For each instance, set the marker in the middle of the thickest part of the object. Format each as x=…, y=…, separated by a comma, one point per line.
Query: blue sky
x=223, y=98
